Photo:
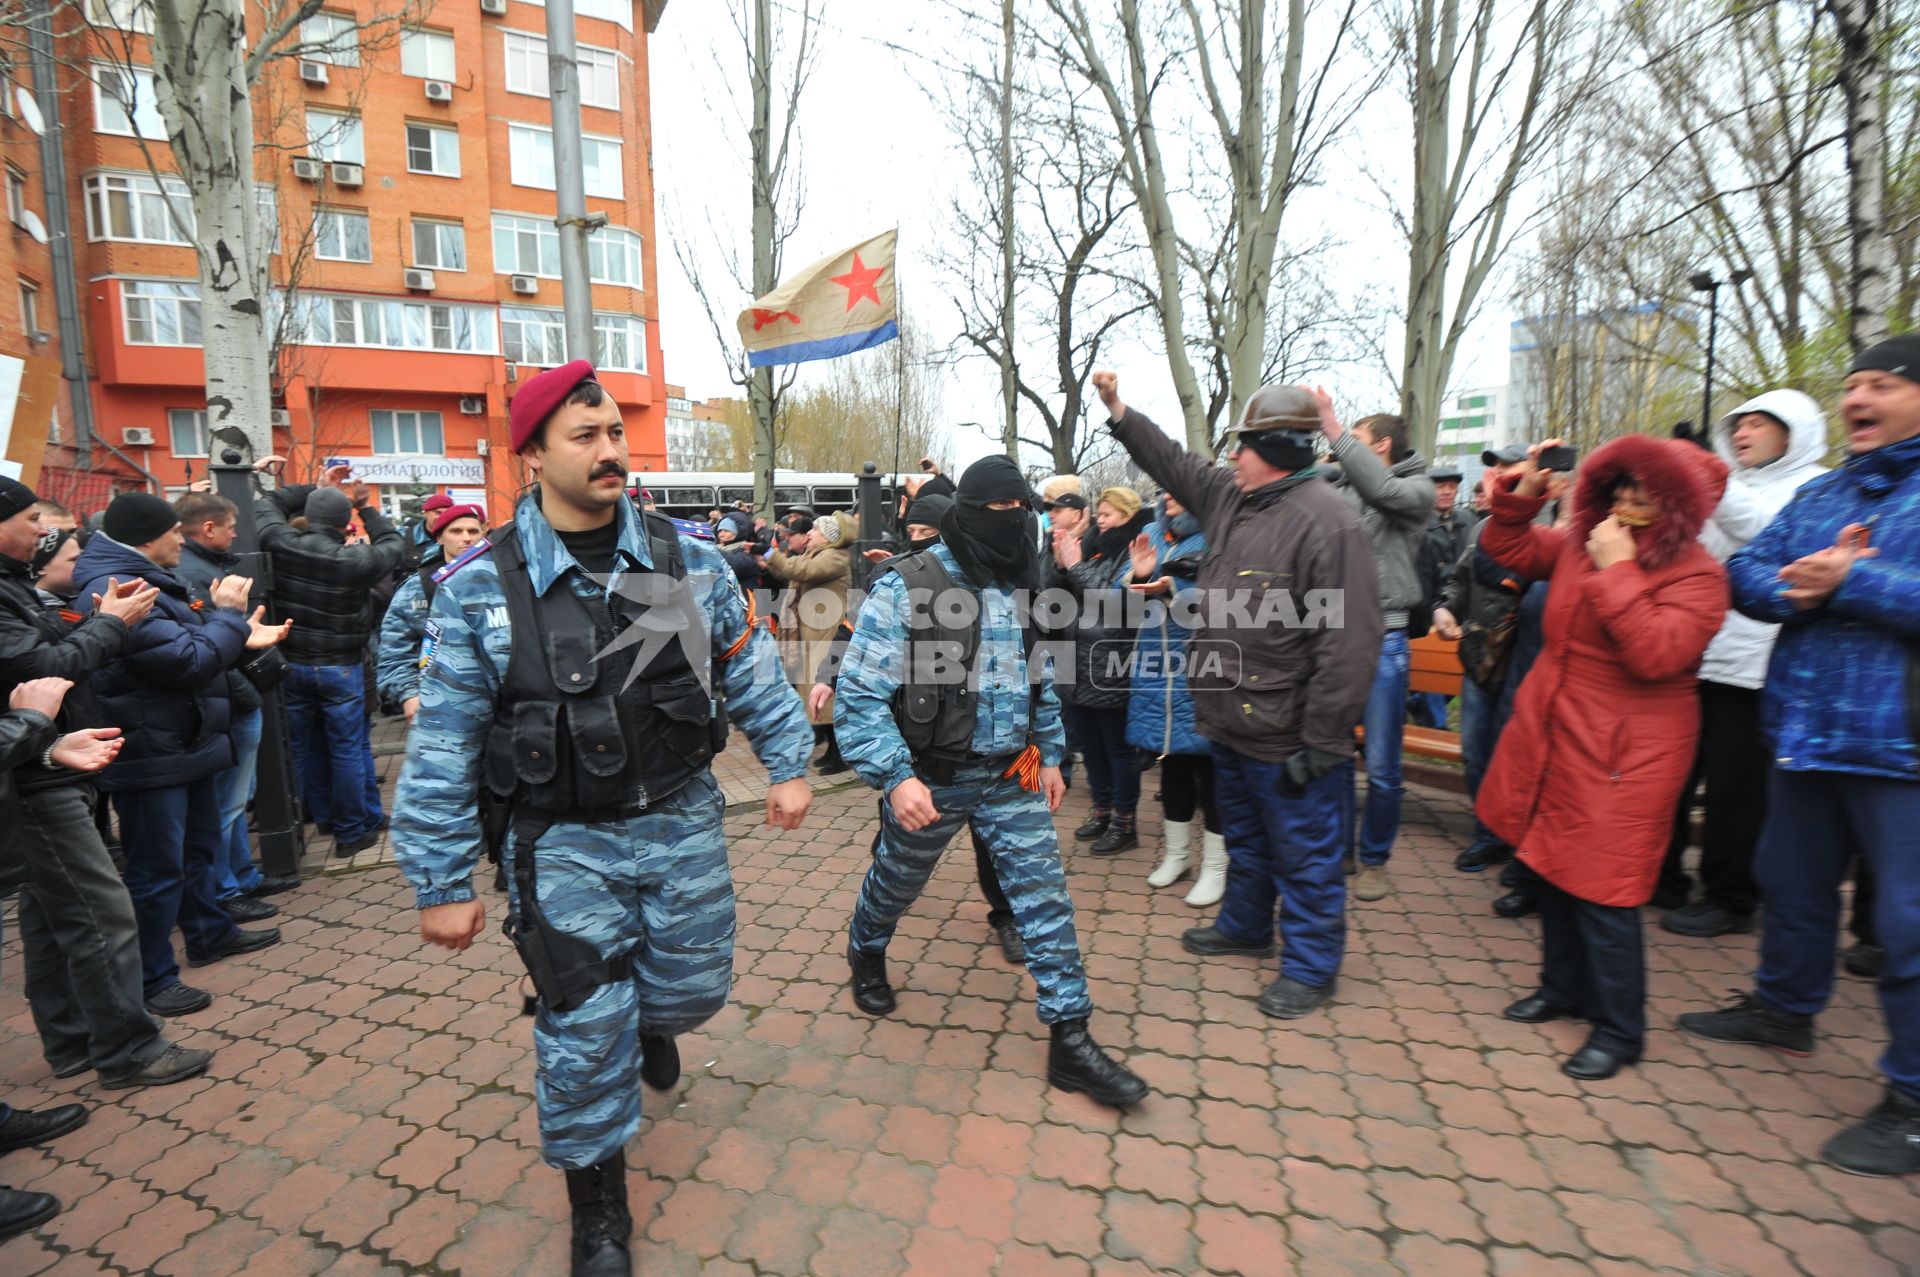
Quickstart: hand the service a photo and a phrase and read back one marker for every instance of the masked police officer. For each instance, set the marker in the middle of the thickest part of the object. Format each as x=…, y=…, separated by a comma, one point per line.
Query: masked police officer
x=566, y=667
x=939, y=706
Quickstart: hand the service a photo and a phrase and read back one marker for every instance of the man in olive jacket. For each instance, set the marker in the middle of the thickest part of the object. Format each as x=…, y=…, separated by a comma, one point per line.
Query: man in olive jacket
x=1280, y=665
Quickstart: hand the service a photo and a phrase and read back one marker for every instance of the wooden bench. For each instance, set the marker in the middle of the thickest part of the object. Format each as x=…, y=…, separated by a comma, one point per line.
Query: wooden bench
x=1434, y=666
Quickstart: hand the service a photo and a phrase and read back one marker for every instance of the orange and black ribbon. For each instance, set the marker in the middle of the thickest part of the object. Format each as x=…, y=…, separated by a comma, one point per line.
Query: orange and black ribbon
x=1027, y=768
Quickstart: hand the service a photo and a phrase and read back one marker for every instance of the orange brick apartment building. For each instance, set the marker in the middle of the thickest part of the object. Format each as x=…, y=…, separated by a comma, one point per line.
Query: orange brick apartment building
x=411, y=178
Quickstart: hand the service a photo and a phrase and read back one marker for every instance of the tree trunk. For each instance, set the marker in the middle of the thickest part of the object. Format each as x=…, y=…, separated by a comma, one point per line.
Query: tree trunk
x=760, y=391
x=1862, y=77
x=202, y=85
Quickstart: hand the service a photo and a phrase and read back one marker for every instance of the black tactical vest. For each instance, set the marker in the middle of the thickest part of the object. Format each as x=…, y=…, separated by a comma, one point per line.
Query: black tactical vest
x=935, y=705
x=572, y=736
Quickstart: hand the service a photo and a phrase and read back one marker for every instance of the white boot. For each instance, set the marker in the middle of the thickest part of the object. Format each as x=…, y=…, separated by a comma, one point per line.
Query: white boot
x=1178, y=839
x=1212, y=883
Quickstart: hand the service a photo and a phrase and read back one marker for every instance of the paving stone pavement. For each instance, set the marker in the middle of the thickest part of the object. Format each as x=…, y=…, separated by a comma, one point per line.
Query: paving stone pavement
x=370, y=1108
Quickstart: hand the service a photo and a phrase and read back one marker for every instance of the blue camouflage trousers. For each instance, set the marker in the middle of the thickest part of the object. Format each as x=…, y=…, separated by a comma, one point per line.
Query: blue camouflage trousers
x=1017, y=830
x=654, y=885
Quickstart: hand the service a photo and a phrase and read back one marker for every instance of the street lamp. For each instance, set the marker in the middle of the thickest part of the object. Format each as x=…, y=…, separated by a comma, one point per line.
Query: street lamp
x=1704, y=282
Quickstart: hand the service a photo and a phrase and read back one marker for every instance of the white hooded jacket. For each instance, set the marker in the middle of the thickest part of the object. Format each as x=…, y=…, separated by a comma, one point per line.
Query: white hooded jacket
x=1739, y=653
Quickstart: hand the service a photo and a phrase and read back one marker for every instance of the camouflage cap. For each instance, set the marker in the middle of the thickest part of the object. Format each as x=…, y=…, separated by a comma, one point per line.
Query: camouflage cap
x=1284, y=407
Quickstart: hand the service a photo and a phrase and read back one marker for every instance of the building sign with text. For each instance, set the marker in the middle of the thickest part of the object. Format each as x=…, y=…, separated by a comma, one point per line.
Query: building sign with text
x=421, y=469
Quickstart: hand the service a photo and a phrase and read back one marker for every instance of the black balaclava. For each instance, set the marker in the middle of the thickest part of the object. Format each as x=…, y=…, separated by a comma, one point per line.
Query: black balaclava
x=926, y=510
x=1283, y=449
x=993, y=546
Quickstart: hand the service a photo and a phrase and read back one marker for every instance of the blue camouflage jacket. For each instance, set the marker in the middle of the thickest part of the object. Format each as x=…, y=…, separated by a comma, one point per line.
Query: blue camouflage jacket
x=876, y=660
x=1843, y=688
x=396, y=646
x=436, y=825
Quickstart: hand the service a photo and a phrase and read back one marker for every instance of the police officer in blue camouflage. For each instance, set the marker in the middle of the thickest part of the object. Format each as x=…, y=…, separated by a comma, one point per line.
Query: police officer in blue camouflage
x=582, y=664
x=944, y=706
x=452, y=529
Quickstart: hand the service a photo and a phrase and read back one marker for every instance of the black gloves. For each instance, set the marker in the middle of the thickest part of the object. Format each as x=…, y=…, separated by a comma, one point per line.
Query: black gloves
x=1307, y=766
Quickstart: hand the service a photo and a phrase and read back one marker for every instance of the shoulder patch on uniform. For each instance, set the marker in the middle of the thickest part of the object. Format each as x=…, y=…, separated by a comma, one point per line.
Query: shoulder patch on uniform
x=428, y=641
x=467, y=556
x=692, y=528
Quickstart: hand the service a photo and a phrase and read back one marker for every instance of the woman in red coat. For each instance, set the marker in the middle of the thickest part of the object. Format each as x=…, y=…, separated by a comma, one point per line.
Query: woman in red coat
x=1587, y=774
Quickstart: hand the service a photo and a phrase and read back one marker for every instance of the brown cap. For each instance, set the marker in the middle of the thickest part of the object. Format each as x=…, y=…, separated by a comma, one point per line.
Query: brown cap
x=1277, y=408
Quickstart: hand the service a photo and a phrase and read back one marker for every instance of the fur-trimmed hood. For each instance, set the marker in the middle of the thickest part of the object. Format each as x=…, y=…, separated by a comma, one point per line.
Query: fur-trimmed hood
x=1684, y=478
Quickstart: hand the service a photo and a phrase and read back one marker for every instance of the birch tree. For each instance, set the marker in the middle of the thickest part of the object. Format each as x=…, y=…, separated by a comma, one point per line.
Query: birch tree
x=1263, y=115
x=1862, y=78
x=1490, y=92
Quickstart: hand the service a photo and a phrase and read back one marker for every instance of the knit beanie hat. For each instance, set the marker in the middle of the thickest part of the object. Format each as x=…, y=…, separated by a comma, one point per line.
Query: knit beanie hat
x=49, y=545
x=1897, y=355
x=837, y=528
x=15, y=496
x=135, y=518
x=326, y=508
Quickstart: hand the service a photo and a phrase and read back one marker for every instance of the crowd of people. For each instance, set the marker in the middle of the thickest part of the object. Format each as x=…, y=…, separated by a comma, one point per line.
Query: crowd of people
x=1667, y=641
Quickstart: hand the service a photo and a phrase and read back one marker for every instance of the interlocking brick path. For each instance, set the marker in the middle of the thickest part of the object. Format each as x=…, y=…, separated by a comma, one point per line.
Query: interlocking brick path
x=370, y=1109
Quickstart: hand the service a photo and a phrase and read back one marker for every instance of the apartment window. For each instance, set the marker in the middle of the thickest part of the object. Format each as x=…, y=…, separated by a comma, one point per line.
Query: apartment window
x=137, y=207
x=439, y=245
x=124, y=103
x=613, y=256
x=526, y=246
x=29, y=309
x=407, y=433
x=336, y=137
x=188, y=429
x=123, y=15
x=393, y=325
x=530, y=160
x=331, y=37
x=342, y=235
x=530, y=336
x=16, y=196
x=160, y=313
x=433, y=148
x=620, y=342
x=427, y=54
x=527, y=70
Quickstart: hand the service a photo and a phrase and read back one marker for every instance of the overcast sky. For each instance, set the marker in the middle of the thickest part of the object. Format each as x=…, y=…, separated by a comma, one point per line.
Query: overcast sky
x=877, y=152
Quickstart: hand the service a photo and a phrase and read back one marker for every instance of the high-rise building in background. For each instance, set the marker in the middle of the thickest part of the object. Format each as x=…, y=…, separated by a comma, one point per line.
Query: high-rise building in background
x=417, y=274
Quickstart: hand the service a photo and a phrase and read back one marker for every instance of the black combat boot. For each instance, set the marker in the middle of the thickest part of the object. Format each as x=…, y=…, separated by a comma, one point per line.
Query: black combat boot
x=1075, y=1062
x=602, y=1225
x=871, y=992
x=1095, y=824
x=1120, y=836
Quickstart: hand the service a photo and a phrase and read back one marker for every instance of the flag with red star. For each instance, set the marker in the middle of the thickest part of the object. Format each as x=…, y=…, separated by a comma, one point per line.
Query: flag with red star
x=840, y=304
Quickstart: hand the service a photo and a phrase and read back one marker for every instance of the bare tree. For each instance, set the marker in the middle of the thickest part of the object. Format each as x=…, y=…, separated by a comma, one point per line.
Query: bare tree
x=1863, y=82
x=777, y=197
x=1266, y=119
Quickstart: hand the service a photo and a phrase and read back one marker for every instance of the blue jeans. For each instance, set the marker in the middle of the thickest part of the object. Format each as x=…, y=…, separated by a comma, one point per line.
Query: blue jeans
x=172, y=837
x=235, y=869
x=1386, y=722
x=332, y=756
x=1113, y=772
x=1815, y=820
x=1483, y=716
x=1284, y=850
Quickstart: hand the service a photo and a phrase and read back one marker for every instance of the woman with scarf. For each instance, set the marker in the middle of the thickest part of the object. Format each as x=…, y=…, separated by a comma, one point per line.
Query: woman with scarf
x=1097, y=570
x=1586, y=775
x=1166, y=560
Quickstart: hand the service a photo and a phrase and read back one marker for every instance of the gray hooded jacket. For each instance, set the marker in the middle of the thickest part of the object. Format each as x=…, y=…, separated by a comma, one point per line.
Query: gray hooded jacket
x=1394, y=503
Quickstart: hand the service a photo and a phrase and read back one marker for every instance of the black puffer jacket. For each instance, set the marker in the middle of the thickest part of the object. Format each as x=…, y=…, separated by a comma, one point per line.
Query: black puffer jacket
x=200, y=567
x=322, y=584
x=39, y=642
x=1107, y=615
x=1484, y=598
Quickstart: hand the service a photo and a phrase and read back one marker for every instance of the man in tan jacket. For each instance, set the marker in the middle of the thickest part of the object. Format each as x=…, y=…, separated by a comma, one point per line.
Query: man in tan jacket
x=813, y=609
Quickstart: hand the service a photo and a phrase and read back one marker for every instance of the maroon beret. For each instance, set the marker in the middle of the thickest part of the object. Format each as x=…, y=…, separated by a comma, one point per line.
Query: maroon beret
x=438, y=501
x=538, y=398
x=437, y=523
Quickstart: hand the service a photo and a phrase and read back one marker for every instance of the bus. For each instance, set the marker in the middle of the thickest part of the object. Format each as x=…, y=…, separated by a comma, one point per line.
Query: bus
x=690, y=494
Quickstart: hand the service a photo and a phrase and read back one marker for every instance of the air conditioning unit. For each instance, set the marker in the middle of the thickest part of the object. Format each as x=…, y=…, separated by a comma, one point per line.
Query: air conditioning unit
x=473, y=405
x=494, y=8
x=307, y=169
x=279, y=418
x=313, y=72
x=439, y=91
x=137, y=437
x=418, y=280
x=525, y=285
x=348, y=174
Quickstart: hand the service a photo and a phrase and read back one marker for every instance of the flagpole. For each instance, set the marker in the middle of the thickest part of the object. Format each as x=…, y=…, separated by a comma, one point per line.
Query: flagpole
x=899, y=378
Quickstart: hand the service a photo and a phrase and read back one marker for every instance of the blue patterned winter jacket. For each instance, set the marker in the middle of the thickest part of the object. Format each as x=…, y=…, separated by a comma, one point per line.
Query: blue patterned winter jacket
x=1843, y=688
x=1159, y=707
